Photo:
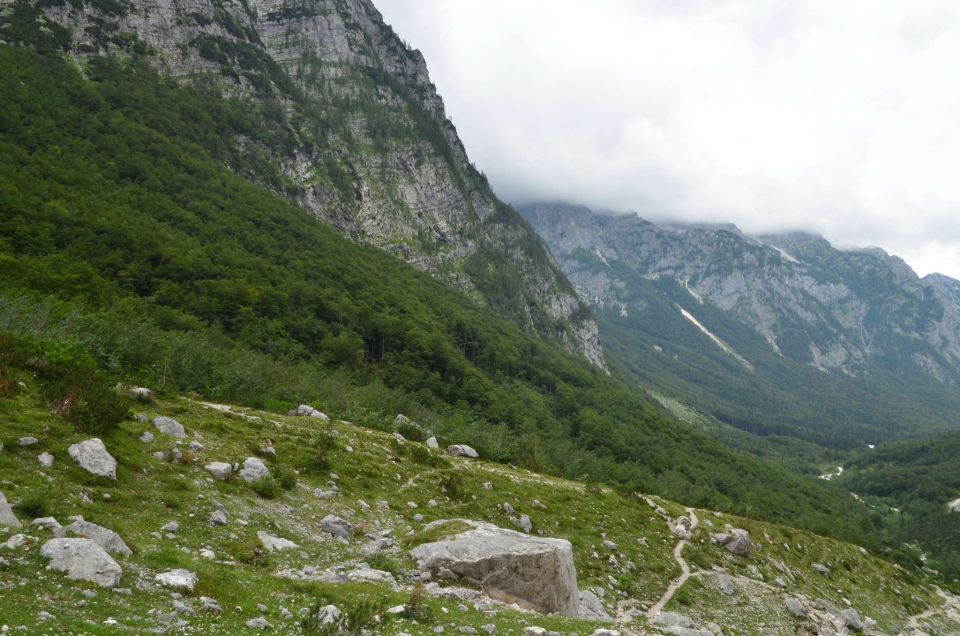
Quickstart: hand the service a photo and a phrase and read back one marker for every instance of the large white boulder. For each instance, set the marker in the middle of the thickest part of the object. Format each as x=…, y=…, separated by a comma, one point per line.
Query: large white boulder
x=305, y=410
x=7, y=518
x=535, y=573
x=273, y=543
x=736, y=541
x=253, y=470
x=103, y=537
x=179, y=579
x=169, y=426
x=462, y=450
x=92, y=456
x=82, y=560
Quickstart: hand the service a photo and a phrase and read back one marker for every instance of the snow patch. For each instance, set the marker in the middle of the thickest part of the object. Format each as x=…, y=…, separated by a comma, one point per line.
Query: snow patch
x=717, y=341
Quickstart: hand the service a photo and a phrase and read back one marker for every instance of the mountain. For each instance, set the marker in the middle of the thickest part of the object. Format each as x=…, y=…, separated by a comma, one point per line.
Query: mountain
x=780, y=334
x=353, y=131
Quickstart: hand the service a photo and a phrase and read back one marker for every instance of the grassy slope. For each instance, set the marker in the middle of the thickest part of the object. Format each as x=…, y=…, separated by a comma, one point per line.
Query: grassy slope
x=150, y=492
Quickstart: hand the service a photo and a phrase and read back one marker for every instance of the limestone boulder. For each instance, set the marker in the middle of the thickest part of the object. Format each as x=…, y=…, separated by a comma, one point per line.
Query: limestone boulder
x=103, y=537
x=82, y=560
x=92, y=456
x=736, y=541
x=169, y=426
x=253, y=470
x=7, y=518
x=462, y=450
x=533, y=572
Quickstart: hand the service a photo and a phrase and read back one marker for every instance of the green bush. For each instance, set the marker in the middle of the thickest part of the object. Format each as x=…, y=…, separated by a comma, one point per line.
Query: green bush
x=267, y=487
x=285, y=477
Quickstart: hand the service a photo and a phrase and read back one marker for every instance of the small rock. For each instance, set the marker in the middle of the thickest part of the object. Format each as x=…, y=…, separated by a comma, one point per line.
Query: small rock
x=45, y=459
x=147, y=437
x=851, y=619
x=795, y=606
x=329, y=617
x=171, y=526
x=169, y=426
x=195, y=447
x=104, y=537
x=7, y=518
x=462, y=450
x=218, y=518
x=178, y=579
x=28, y=441
x=610, y=545
x=736, y=542
x=273, y=543
x=253, y=470
x=432, y=443
x=821, y=569
x=258, y=623
x=336, y=526
x=220, y=470
x=140, y=393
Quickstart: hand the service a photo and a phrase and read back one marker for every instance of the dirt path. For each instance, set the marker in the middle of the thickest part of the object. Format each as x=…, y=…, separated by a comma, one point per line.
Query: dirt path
x=684, y=569
x=950, y=610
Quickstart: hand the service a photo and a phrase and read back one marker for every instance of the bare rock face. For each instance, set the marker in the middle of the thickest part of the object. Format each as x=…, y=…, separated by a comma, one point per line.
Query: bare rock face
x=533, y=572
x=82, y=560
x=178, y=579
x=92, y=456
x=7, y=518
x=417, y=197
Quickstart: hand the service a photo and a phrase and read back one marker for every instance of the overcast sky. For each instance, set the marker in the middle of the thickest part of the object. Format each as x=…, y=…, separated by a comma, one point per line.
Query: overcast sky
x=839, y=116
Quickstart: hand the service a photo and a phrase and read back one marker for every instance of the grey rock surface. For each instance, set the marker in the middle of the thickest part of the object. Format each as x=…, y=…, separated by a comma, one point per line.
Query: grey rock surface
x=536, y=573
x=92, y=456
x=82, y=560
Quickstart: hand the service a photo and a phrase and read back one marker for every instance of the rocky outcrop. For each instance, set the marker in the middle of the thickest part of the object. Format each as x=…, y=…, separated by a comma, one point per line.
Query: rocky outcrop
x=512, y=567
x=169, y=426
x=736, y=541
x=82, y=560
x=390, y=169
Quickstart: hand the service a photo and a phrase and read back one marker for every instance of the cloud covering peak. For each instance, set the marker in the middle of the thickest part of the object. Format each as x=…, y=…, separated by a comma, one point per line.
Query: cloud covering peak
x=837, y=118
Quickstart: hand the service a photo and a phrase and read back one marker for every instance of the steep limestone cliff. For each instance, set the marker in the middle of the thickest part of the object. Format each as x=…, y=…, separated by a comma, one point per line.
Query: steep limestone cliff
x=360, y=138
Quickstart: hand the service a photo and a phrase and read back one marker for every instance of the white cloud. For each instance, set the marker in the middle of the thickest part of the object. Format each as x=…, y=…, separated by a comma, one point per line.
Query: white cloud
x=834, y=117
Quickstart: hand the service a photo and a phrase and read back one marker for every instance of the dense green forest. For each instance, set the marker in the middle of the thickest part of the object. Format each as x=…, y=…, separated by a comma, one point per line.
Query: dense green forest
x=918, y=479
x=127, y=244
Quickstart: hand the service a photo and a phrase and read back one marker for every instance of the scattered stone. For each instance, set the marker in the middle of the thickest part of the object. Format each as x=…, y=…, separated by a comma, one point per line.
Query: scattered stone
x=536, y=503
x=672, y=620
x=722, y=583
x=92, y=456
x=195, y=447
x=605, y=632
x=610, y=545
x=591, y=608
x=218, y=518
x=258, y=623
x=535, y=573
x=169, y=426
x=305, y=410
x=140, y=393
x=523, y=523
x=103, y=537
x=462, y=450
x=329, y=617
x=14, y=542
x=171, y=526
x=45, y=459
x=851, y=619
x=7, y=518
x=332, y=524
x=821, y=569
x=208, y=554
x=400, y=439
x=253, y=470
x=147, y=437
x=28, y=441
x=178, y=579
x=220, y=470
x=737, y=541
x=82, y=560
x=48, y=523
x=795, y=606
x=273, y=543
x=432, y=442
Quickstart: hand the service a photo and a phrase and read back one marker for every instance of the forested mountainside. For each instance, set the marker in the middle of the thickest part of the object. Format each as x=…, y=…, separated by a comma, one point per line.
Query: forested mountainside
x=920, y=480
x=130, y=250
x=348, y=125
x=776, y=335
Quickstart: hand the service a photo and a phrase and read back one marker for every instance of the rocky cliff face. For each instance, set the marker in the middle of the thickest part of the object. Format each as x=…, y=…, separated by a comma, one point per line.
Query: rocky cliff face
x=833, y=309
x=366, y=145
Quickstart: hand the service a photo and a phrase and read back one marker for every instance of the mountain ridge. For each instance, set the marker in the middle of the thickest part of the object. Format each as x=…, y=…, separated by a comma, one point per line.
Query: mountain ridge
x=362, y=138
